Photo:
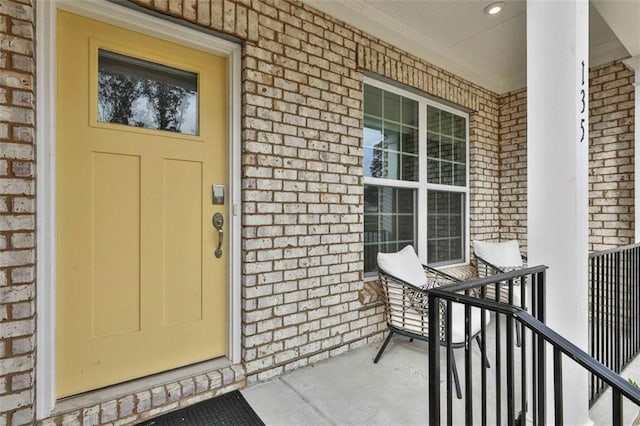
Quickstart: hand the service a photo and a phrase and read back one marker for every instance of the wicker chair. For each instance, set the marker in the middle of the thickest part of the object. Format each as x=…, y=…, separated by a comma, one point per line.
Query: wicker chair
x=488, y=255
x=406, y=305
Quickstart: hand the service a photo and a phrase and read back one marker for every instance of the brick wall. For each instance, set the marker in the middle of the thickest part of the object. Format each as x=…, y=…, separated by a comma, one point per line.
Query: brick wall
x=302, y=247
x=302, y=187
x=513, y=167
x=611, y=159
x=302, y=236
x=17, y=219
x=302, y=173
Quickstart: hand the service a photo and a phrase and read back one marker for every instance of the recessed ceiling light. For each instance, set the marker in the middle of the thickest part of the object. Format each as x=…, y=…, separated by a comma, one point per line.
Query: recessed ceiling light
x=494, y=8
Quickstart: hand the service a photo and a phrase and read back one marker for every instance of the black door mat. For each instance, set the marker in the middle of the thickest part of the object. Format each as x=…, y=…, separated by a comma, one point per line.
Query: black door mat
x=228, y=409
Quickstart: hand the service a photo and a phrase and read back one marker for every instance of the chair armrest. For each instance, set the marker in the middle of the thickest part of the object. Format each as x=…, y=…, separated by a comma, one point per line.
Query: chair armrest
x=442, y=277
x=486, y=268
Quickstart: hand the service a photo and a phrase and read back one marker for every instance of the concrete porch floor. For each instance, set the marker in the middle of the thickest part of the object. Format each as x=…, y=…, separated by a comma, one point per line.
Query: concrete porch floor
x=350, y=390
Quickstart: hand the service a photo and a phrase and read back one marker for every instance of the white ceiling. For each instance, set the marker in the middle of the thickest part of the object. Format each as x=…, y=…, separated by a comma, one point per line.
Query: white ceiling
x=488, y=50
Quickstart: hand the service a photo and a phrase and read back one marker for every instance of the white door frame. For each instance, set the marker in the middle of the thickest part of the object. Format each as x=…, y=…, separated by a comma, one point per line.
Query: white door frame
x=45, y=397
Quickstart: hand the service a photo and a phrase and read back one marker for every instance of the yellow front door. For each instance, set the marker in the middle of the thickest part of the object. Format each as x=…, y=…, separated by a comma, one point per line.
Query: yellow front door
x=141, y=141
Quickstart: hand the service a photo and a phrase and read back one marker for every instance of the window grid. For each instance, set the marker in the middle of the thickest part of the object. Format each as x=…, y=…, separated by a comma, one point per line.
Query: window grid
x=445, y=232
x=390, y=136
x=390, y=215
x=452, y=184
x=446, y=147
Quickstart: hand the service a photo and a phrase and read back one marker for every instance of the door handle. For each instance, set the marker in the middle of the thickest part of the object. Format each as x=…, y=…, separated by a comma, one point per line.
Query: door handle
x=218, y=222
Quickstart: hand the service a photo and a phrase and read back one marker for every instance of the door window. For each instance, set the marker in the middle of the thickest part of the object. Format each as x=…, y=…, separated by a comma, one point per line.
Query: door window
x=139, y=93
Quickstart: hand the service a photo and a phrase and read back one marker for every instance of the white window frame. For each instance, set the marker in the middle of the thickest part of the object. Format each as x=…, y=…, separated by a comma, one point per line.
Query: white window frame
x=422, y=185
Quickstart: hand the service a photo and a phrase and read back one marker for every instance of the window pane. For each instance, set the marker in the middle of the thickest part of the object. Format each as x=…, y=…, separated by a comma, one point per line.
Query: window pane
x=391, y=224
x=433, y=119
x=370, y=253
x=381, y=164
x=441, y=202
x=460, y=175
x=446, y=147
x=370, y=199
x=140, y=93
x=433, y=145
x=446, y=123
x=391, y=109
x=405, y=228
x=410, y=167
x=459, y=152
x=459, y=127
x=390, y=130
x=433, y=171
x=455, y=225
x=406, y=201
x=445, y=224
x=409, y=112
x=373, y=97
x=442, y=251
x=446, y=173
x=409, y=140
x=410, y=163
x=391, y=136
x=455, y=249
x=372, y=134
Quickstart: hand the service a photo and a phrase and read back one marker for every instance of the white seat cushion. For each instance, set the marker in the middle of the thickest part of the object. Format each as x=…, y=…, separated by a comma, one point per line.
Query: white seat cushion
x=404, y=265
x=505, y=254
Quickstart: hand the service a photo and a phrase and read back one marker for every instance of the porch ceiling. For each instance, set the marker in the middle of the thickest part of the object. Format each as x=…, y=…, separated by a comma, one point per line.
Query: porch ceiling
x=488, y=50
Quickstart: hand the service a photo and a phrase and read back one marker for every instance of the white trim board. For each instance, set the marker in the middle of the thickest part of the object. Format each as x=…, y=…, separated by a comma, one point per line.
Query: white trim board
x=46, y=168
x=634, y=65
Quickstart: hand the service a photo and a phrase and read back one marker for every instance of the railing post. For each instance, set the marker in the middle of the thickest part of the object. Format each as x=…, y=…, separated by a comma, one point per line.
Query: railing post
x=483, y=349
x=434, y=361
x=617, y=332
x=557, y=387
x=541, y=295
x=636, y=297
x=541, y=358
x=592, y=318
x=617, y=407
x=468, y=388
x=511, y=412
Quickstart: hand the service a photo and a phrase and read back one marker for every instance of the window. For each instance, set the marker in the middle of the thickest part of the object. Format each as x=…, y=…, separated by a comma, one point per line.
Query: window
x=139, y=93
x=415, y=176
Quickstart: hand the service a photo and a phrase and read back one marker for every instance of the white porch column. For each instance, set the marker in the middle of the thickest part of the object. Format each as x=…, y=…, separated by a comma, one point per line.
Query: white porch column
x=634, y=65
x=557, y=179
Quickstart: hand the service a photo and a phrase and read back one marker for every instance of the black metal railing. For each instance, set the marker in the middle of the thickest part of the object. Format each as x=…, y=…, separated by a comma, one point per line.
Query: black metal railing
x=614, y=310
x=512, y=383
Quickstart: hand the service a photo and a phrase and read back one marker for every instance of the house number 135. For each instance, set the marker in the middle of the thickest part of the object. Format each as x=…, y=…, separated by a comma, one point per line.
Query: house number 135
x=583, y=109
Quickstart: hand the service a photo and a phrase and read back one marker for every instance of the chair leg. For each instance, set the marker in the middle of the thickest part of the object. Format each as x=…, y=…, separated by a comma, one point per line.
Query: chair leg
x=518, y=335
x=456, y=380
x=484, y=354
x=384, y=346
